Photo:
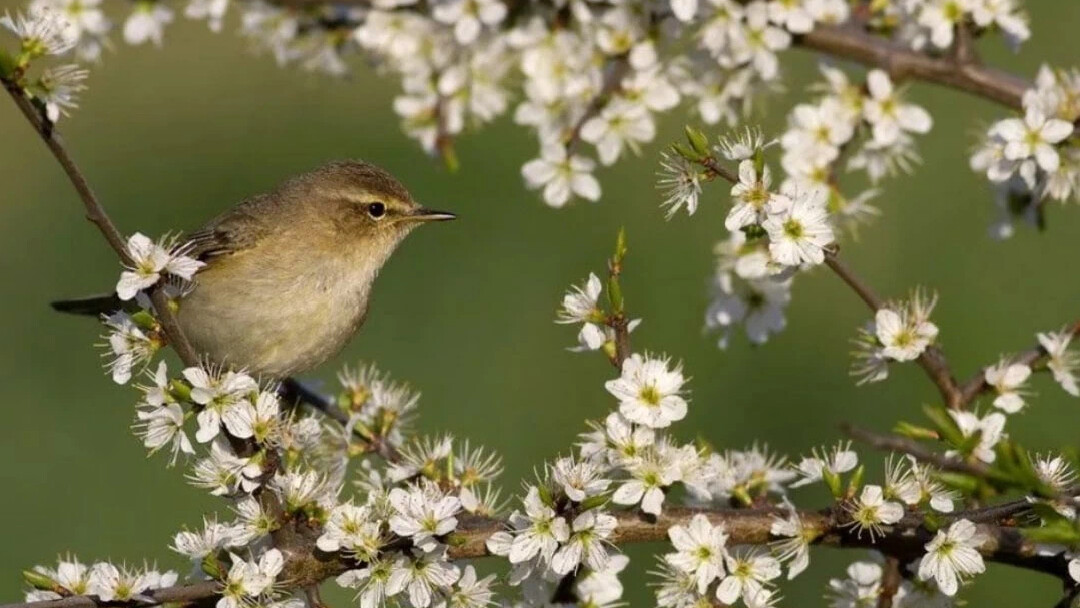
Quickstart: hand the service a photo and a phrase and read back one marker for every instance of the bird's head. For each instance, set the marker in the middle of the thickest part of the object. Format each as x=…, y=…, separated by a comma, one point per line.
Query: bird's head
x=361, y=206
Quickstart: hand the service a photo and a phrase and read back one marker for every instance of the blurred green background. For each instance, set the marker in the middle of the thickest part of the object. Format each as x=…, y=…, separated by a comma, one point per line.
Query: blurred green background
x=169, y=137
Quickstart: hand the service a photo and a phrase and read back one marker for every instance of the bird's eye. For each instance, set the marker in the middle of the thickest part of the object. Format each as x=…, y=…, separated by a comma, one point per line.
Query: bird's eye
x=376, y=210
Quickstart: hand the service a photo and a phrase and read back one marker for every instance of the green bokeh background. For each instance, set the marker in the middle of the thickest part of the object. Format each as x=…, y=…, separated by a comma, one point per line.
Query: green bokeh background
x=171, y=136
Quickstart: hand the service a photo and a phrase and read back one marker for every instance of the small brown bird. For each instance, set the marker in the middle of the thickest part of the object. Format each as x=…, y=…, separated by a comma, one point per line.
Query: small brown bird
x=288, y=274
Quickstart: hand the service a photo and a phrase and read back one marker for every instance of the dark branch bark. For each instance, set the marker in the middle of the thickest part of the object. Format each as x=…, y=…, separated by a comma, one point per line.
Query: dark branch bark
x=904, y=541
x=902, y=63
x=896, y=443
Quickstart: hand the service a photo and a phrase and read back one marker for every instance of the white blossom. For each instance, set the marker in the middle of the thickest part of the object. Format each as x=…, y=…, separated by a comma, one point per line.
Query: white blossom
x=1007, y=379
x=538, y=531
x=130, y=345
x=249, y=580
x=953, y=556
x=423, y=513
x=1034, y=137
x=649, y=478
x=838, y=460
x=561, y=175
x=700, y=550
x=620, y=124
x=649, y=393
x=352, y=529
x=147, y=23
x=58, y=88
x=870, y=511
x=748, y=571
x=799, y=234
x=587, y=544
x=218, y=391
x=420, y=576
x=887, y=112
x=42, y=31
x=198, y=544
x=795, y=546
x=753, y=199
x=1063, y=362
x=990, y=428
x=150, y=260
x=579, y=479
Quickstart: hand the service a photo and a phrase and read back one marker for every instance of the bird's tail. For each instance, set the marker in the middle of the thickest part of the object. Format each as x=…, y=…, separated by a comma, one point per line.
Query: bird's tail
x=93, y=306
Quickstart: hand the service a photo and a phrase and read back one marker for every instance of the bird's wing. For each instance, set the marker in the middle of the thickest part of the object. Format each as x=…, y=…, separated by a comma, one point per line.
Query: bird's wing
x=235, y=230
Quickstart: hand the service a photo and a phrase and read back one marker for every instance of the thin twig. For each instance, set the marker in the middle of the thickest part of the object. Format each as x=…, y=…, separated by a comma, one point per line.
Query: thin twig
x=903, y=63
x=932, y=360
x=976, y=384
x=94, y=211
x=897, y=443
x=97, y=215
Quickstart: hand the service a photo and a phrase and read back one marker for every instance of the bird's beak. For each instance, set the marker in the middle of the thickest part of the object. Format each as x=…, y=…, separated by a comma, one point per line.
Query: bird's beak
x=430, y=215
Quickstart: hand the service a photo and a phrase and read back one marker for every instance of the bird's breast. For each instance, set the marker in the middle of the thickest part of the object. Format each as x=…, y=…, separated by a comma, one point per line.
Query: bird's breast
x=275, y=316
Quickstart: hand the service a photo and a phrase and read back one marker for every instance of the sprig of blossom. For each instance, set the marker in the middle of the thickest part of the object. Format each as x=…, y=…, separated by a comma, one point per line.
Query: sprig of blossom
x=953, y=556
x=901, y=331
x=150, y=260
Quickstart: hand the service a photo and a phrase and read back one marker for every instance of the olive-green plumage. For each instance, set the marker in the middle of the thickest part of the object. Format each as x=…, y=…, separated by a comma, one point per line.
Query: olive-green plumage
x=288, y=274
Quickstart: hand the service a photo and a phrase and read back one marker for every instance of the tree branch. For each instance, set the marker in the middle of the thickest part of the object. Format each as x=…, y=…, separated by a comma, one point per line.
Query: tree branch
x=97, y=215
x=897, y=443
x=851, y=41
x=901, y=62
x=932, y=360
x=976, y=385
x=904, y=541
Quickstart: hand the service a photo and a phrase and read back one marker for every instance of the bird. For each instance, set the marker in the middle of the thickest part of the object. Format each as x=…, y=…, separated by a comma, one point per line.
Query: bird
x=288, y=274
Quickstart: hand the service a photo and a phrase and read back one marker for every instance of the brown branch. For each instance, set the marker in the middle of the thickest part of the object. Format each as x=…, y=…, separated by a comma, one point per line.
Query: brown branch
x=976, y=385
x=901, y=63
x=851, y=41
x=94, y=211
x=897, y=443
x=932, y=360
x=166, y=595
x=904, y=541
x=890, y=582
x=97, y=215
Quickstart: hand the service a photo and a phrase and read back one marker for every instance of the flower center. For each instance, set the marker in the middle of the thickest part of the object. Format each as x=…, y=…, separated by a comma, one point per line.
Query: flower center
x=650, y=395
x=793, y=228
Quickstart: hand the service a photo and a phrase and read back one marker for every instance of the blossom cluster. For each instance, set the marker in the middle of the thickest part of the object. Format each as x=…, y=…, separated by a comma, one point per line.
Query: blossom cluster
x=773, y=232
x=42, y=32
x=597, y=73
x=1035, y=157
x=107, y=581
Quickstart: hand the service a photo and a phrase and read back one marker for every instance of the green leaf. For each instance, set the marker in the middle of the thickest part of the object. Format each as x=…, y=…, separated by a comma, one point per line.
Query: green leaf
x=1060, y=532
x=180, y=390
x=38, y=580
x=833, y=481
x=620, y=245
x=698, y=140
x=211, y=567
x=915, y=432
x=966, y=484
x=856, y=480
x=593, y=502
x=8, y=65
x=945, y=424
x=686, y=152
